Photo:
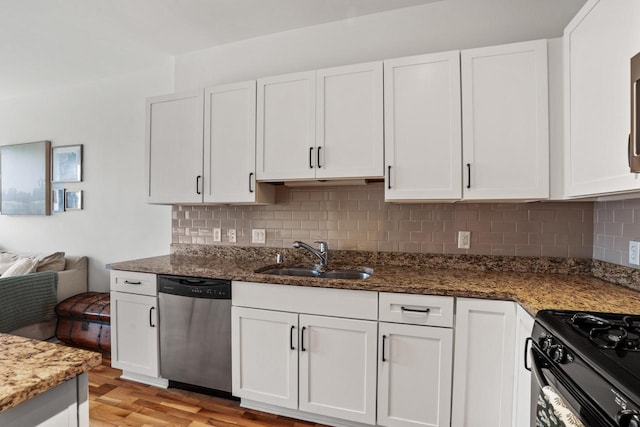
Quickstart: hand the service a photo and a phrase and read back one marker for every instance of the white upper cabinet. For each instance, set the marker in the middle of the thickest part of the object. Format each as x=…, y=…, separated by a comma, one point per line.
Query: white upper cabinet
x=423, y=151
x=349, y=125
x=598, y=44
x=174, y=148
x=230, y=145
x=286, y=127
x=505, y=122
x=321, y=125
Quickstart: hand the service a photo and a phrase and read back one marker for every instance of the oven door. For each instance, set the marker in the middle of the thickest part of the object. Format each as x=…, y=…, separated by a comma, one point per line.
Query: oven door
x=548, y=379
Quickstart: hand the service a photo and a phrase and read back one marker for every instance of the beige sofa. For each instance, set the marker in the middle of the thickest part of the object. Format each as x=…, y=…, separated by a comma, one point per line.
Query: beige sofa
x=71, y=281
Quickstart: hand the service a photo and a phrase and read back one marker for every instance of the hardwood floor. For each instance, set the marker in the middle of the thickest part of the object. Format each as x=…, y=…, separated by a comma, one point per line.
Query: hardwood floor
x=116, y=402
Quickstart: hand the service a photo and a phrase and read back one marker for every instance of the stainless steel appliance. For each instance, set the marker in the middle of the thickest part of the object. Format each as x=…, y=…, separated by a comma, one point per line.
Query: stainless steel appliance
x=587, y=365
x=195, y=331
x=634, y=137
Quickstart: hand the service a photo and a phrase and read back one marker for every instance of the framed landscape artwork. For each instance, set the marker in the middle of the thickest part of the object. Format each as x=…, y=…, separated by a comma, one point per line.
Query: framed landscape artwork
x=24, y=179
x=67, y=163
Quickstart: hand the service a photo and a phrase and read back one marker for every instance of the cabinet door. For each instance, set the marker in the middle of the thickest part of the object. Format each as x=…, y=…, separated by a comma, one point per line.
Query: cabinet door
x=264, y=354
x=349, y=132
x=134, y=333
x=505, y=122
x=230, y=143
x=174, y=148
x=338, y=367
x=286, y=127
x=522, y=379
x=483, y=363
x=423, y=143
x=414, y=381
x=598, y=45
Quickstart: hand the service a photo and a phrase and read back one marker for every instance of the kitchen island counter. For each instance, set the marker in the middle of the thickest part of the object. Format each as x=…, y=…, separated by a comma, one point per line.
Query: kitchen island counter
x=29, y=368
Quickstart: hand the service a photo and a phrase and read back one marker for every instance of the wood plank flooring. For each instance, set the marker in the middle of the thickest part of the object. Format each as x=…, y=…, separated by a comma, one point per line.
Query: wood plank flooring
x=116, y=402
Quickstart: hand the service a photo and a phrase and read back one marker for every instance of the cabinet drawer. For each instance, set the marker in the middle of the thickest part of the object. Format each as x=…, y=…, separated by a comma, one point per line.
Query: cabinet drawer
x=134, y=283
x=416, y=309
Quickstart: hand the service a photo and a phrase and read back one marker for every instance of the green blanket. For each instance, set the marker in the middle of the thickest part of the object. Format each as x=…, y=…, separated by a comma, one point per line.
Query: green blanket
x=27, y=299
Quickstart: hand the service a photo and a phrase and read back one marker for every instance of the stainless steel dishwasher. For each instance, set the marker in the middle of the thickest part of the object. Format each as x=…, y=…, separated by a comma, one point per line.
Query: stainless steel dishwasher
x=195, y=331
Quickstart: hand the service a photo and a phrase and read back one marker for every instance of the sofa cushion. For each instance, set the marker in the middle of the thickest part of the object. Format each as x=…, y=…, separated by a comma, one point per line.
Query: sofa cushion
x=22, y=266
x=51, y=262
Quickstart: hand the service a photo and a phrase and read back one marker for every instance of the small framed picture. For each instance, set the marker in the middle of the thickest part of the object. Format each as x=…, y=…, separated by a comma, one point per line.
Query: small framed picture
x=73, y=200
x=57, y=201
x=66, y=163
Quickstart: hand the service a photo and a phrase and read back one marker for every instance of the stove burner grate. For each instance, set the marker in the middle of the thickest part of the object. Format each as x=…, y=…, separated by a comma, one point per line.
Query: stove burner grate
x=609, y=334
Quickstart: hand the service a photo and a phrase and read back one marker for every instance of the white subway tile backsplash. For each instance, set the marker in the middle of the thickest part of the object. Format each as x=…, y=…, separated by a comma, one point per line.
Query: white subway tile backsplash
x=357, y=218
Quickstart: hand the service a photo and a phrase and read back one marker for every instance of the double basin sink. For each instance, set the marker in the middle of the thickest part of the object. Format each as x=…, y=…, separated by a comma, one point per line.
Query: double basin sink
x=316, y=272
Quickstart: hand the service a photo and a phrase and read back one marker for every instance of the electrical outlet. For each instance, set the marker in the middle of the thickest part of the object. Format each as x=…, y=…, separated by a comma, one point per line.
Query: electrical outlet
x=634, y=253
x=232, y=235
x=258, y=235
x=464, y=239
x=217, y=235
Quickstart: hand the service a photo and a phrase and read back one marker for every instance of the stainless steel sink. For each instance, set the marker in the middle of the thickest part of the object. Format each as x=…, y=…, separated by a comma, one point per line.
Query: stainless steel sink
x=347, y=274
x=313, y=272
x=292, y=271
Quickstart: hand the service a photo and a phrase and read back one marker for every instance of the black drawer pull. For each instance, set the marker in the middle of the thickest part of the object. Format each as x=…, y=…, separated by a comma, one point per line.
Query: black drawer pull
x=415, y=310
x=129, y=282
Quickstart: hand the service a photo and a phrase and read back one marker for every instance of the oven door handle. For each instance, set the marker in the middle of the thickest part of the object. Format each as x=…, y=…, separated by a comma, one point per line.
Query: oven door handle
x=537, y=372
x=528, y=341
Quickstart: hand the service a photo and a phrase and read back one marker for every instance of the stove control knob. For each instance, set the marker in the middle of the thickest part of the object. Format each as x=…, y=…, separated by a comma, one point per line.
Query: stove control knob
x=559, y=355
x=546, y=342
x=628, y=418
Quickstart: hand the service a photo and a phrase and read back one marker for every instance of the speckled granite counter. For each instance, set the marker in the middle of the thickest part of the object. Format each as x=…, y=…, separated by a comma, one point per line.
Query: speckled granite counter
x=30, y=367
x=534, y=291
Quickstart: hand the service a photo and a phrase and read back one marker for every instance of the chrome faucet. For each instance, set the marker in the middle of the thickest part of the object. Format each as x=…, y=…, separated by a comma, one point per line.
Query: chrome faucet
x=321, y=253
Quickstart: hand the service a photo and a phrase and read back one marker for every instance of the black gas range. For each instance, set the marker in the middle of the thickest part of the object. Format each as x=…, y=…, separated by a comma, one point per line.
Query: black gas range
x=591, y=361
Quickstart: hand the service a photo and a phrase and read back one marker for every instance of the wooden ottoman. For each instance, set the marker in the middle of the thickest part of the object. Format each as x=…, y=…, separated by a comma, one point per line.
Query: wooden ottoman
x=84, y=320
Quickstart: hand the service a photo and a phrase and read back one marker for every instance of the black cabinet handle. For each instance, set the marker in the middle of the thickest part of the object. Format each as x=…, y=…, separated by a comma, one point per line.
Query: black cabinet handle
x=310, y=157
x=415, y=310
x=129, y=282
x=250, y=179
x=526, y=359
x=302, y=339
x=630, y=151
x=389, y=177
x=198, y=184
x=291, y=338
x=468, y=175
x=384, y=339
x=318, y=157
x=151, y=317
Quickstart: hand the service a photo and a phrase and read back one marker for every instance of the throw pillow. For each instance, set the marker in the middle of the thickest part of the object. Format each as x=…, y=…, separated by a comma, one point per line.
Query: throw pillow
x=7, y=259
x=52, y=262
x=22, y=266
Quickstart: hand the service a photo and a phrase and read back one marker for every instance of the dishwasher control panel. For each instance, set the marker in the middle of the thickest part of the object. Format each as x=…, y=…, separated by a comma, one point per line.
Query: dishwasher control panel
x=194, y=287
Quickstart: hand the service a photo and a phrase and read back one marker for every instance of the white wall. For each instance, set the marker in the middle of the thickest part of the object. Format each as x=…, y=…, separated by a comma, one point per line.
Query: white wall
x=108, y=117
x=434, y=27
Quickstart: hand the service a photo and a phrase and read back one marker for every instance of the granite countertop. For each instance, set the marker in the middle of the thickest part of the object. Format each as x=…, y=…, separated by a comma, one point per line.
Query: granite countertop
x=30, y=367
x=534, y=291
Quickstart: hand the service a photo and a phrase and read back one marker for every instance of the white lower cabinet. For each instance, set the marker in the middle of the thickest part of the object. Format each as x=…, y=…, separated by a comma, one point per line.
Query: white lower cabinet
x=338, y=367
x=320, y=366
x=134, y=327
x=522, y=380
x=262, y=337
x=483, y=380
x=414, y=375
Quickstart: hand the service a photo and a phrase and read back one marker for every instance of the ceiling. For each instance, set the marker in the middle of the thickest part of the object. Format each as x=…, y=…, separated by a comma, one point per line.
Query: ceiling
x=49, y=43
